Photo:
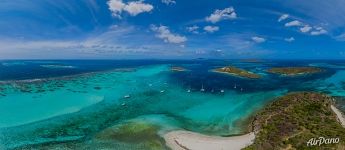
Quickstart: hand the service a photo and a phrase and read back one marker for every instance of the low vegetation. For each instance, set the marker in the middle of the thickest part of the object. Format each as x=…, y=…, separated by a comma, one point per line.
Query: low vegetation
x=237, y=72
x=292, y=120
x=293, y=71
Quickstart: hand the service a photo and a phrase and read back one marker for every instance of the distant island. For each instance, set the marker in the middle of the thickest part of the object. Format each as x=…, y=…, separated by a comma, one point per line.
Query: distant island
x=293, y=71
x=295, y=119
x=177, y=69
x=252, y=60
x=57, y=66
x=237, y=72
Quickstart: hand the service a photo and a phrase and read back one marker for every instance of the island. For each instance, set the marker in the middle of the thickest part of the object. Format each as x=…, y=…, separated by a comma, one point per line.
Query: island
x=177, y=69
x=303, y=120
x=294, y=71
x=299, y=120
x=252, y=60
x=237, y=72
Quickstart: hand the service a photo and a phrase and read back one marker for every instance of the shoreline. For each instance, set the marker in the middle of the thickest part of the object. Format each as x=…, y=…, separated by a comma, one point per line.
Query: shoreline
x=340, y=115
x=185, y=140
x=231, y=74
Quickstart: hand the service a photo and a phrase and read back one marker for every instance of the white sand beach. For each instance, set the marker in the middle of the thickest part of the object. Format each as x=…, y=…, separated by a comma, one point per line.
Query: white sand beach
x=186, y=140
x=183, y=140
x=339, y=114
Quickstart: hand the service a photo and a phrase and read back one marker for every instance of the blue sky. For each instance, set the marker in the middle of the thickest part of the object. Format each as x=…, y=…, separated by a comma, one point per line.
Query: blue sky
x=122, y=29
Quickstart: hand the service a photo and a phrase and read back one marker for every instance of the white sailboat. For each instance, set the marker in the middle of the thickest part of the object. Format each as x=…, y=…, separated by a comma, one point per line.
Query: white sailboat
x=202, y=88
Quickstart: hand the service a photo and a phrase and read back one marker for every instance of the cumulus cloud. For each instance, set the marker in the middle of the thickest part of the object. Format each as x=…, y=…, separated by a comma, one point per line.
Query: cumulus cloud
x=283, y=17
x=164, y=33
x=318, y=31
x=168, y=2
x=225, y=14
x=293, y=23
x=305, y=29
x=116, y=42
x=133, y=8
x=258, y=39
x=211, y=29
x=193, y=29
x=291, y=39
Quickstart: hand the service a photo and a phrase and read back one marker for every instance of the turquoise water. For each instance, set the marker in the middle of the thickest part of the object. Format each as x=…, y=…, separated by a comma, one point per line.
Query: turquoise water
x=78, y=106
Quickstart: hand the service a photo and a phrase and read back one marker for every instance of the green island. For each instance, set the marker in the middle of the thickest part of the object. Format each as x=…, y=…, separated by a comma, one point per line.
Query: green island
x=237, y=72
x=291, y=121
x=177, y=69
x=293, y=71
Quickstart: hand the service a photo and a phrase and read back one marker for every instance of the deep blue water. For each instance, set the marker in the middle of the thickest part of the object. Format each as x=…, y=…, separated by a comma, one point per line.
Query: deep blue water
x=200, y=71
x=32, y=69
x=45, y=101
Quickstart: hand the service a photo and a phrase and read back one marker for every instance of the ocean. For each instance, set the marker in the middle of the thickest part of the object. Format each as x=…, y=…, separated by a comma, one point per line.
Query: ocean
x=51, y=102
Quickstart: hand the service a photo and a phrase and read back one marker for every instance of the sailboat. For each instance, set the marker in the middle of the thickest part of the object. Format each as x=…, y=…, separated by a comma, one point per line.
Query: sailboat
x=202, y=88
x=235, y=86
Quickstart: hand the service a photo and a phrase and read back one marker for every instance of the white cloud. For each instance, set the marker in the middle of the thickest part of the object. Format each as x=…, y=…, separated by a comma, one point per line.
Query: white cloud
x=117, y=42
x=193, y=29
x=258, y=39
x=133, y=8
x=340, y=37
x=293, y=23
x=168, y=2
x=218, y=15
x=291, y=39
x=164, y=33
x=305, y=29
x=211, y=29
x=283, y=17
x=116, y=7
x=318, y=31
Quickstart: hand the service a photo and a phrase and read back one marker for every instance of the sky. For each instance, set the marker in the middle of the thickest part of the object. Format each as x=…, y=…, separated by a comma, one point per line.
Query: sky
x=172, y=29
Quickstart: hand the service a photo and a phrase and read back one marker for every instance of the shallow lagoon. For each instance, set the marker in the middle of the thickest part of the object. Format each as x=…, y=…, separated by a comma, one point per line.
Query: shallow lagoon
x=77, y=106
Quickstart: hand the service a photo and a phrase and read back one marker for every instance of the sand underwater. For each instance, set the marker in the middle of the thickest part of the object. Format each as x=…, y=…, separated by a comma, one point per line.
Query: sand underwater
x=130, y=104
